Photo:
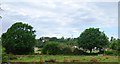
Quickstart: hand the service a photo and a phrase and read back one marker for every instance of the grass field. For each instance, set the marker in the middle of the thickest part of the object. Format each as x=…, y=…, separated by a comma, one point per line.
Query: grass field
x=64, y=58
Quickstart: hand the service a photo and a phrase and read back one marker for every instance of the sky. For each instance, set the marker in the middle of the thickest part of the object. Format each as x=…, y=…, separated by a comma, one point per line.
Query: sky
x=57, y=18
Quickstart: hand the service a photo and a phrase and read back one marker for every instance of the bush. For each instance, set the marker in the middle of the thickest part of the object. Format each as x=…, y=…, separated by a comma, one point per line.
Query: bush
x=108, y=52
x=12, y=57
x=78, y=52
x=4, y=55
x=113, y=52
x=67, y=50
x=54, y=48
x=51, y=48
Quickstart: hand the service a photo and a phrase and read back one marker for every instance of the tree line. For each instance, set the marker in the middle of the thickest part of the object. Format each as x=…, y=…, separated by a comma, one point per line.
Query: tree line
x=20, y=39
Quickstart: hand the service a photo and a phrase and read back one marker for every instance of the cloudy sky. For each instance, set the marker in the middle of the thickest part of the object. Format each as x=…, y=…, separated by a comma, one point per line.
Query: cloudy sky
x=57, y=18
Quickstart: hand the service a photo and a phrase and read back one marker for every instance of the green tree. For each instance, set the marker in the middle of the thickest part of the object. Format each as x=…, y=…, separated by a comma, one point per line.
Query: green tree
x=91, y=38
x=19, y=39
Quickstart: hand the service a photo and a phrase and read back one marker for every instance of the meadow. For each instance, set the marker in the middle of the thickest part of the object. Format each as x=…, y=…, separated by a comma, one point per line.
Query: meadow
x=64, y=58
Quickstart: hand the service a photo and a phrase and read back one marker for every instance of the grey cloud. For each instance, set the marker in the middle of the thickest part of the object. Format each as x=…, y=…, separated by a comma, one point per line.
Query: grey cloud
x=57, y=18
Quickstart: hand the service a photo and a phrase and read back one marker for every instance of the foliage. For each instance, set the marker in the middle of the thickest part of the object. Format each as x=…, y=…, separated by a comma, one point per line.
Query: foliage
x=114, y=44
x=91, y=38
x=12, y=57
x=69, y=41
x=53, y=39
x=72, y=41
x=78, y=52
x=19, y=37
x=67, y=50
x=108, y=52
x=4, y=55
x=51, y=48
x=111, y=52
x=55, y=48
x=39, y=43
x=118, y=47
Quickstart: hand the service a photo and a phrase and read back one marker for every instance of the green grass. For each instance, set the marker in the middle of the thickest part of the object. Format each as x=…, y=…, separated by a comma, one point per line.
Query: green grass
x=63, y=58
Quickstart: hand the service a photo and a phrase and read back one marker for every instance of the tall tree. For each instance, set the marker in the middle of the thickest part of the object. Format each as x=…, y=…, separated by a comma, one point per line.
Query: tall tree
x=91, y=38
x=19, y=39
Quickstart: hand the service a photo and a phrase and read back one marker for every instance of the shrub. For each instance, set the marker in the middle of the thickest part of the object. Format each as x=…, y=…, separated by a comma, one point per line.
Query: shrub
x=4, y=55
x=51, y=48
x=78, y=52
x=67, y=50
x=113, y=52
x=12, y=57
x=54, y=48
x=101, y=52
x=108, y=52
